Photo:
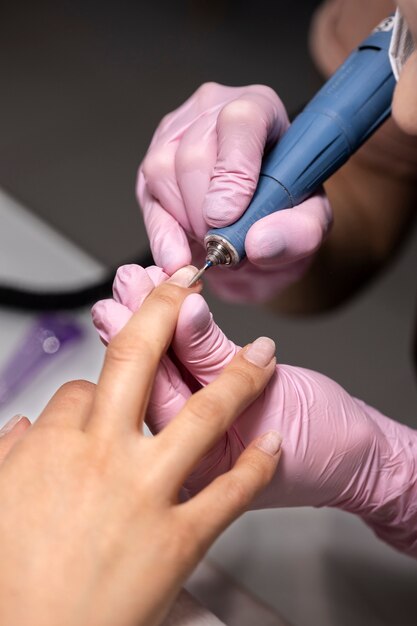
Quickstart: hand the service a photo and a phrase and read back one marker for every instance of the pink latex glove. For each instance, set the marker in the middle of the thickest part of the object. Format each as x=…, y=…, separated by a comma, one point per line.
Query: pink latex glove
x=337, y=451
x=201, y=171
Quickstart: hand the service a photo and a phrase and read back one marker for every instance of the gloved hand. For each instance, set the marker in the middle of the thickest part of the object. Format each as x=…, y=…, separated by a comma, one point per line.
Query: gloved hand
x=201, y=171
x=337, y=451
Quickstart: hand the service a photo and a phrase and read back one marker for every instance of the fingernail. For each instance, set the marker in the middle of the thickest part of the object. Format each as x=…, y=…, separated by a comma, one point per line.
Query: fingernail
x=10, y=424
x=260, y=352
x=183, y=277
x=270, y=442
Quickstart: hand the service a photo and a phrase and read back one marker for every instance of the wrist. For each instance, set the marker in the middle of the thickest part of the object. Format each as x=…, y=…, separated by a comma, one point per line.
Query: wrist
x=395, y=520
x=387, y=497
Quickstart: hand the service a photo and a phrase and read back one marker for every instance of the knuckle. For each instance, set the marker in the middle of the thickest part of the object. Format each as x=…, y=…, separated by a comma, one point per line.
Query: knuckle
x=206, y=90
x=272, y=101
x=121, y=351
x=327, y=214
x=204, y=408
x=122, y=277
x=191, y=156
x=77, y=389
x=314, y=233
x=268, y=92
x=156, y=163
x=261, y=467
x=237, y=492
x=239, y=110
x=246, y=381
x=166, y=296
x=165, y=121
x=122, y=274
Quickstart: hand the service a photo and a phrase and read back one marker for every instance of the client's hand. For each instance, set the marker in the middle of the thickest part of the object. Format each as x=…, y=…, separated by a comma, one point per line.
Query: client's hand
x=91, y=528
x=337, y=451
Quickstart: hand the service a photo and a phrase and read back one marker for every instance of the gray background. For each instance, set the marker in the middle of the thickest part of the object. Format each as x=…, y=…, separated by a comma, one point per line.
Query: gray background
x=84, y=85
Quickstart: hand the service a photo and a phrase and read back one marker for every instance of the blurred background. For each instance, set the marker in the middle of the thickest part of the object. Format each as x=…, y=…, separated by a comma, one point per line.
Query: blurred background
x=84, y=84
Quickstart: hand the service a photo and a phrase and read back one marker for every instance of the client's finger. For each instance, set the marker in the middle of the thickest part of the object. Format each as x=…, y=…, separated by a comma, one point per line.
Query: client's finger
x=11, y=432
x=169, y=391
x=69, y=407
x=229, y=495
x=133, y=356
x=212, y=410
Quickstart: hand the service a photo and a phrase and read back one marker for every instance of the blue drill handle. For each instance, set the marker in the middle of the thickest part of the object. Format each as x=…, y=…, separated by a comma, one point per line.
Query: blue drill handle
x=335, y=123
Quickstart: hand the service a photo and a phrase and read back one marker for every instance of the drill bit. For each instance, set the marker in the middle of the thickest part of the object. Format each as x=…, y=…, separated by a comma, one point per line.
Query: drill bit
x=199, y=274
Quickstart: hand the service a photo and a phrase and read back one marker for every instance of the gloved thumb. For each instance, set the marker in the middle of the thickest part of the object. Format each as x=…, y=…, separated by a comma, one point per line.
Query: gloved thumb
x=199, y=344
x=244, y=127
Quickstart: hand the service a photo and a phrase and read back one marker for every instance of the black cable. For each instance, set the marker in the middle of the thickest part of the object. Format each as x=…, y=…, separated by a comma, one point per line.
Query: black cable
x=26, y=299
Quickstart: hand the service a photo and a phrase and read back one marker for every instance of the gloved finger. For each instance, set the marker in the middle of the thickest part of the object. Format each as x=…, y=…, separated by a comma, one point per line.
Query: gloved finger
x=169, y=395
x=199, y=343
x=11, y=432
x=157, y=170
x=156, y=274
x=131, y=285
x=243, y=128
x=109, y=317
x=194, y=163
x=207, y=99
x=168, y=240
x=291, y=234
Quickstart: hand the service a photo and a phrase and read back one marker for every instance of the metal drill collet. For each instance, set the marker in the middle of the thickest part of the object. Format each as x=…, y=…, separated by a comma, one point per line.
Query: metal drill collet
x=219, y=252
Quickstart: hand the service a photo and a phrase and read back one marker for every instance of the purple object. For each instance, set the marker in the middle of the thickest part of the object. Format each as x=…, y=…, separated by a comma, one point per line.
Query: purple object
x=45, y=340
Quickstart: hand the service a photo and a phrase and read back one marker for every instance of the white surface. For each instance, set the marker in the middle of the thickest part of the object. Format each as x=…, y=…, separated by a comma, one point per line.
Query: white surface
x=233, y=604
x=34, y=255
x=320, y=568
